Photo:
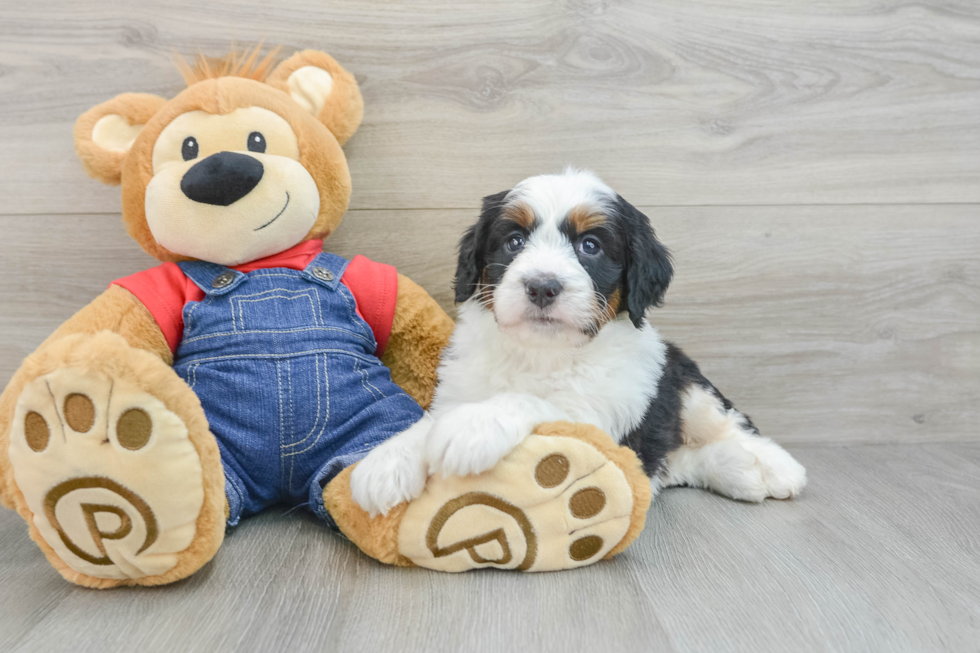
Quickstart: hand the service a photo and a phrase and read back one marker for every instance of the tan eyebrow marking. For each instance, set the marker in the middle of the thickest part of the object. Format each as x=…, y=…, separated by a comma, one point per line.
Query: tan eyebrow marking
x=520, y=213
x=584, y=218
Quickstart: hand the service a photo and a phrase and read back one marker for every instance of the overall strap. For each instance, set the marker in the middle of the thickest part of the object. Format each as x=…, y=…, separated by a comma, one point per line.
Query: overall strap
x=326, y=270
x=212, y=278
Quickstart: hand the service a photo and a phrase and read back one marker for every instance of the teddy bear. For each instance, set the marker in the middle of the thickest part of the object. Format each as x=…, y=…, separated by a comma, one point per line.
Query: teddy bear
x=252, y=369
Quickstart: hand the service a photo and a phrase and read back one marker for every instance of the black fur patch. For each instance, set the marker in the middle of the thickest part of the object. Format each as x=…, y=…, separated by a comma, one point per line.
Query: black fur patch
x=469, y=264
x=483, y=257
x=660, y=431
x=607, y=268
x=648, y=263
x=632, y=260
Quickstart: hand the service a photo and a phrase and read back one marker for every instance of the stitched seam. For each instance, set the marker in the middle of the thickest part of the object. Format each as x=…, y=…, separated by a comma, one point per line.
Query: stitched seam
x=280, y=331
x=362, y=357
x=288, y=291
x=259, y=273
x=367, y=385
x=242, y=302
x=192, y=372
x=326, y=419
x=292, y=424
x=318, y=306
x=239, y=302
x=352, y=312
x=239, y=491
x=282, y=472
x=316, y=365
x=188, y=326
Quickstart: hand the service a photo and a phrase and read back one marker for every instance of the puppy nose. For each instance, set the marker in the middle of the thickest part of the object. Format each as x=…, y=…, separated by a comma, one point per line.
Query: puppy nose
x=543, y=291
x=222, y=178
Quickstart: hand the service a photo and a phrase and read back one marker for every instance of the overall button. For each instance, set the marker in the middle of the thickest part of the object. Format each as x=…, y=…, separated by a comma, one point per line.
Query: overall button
x=223, y=279
x=322, y=273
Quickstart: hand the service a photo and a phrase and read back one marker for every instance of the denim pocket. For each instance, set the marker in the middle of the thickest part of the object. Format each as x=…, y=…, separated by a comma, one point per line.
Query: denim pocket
x=274, y=309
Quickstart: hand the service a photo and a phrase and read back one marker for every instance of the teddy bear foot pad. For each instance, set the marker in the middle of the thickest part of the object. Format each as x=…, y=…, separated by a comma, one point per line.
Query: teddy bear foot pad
x=111, y=483
x=566, y=497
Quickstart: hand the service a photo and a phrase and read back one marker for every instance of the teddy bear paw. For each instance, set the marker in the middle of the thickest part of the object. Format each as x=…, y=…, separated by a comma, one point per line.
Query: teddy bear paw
x=111, y=478
x=554, y=502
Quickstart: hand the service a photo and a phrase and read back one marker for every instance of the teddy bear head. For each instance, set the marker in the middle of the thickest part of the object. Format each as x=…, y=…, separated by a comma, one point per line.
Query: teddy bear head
x=244, y=163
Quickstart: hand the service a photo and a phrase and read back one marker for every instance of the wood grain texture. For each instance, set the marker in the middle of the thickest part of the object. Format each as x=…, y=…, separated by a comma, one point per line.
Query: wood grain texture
x=848, y=324
x=813, y=167
x=878, y=554
x=682, y=102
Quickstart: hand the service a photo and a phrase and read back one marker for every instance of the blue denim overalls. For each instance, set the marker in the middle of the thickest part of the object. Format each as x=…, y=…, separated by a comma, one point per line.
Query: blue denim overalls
x=286, y=372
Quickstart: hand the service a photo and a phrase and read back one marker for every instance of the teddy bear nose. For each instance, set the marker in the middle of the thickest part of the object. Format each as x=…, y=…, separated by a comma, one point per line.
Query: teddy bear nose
x=222, y=178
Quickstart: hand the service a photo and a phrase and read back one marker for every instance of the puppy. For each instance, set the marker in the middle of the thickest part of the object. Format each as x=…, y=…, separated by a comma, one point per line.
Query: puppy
x=556, y=281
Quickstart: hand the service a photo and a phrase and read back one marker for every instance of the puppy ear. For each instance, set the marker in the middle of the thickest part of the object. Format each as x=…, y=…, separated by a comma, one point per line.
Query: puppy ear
x=648, y=263
x=104, y=133
x=469, y=266
x=321, y=86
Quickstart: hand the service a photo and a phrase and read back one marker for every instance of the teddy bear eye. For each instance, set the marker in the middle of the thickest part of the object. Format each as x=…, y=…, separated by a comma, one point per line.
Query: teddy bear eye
x=256, y=142
x=189, y=149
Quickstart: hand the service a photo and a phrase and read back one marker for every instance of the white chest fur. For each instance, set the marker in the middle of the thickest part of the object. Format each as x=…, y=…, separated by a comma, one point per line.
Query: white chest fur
x=608, y=382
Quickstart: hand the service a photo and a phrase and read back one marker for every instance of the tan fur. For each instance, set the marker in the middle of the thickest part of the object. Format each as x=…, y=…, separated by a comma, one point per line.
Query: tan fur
x=245, y=63
x=344, y=109
x=119, y=311
x=520, y=213
x=106, y=165
x=320, y=153
x=115, y=310
x=484, y=291
x=584, y=218
x=377, y=536
x=420, y=331
x=611, y=309
x=319, y=136
x=110, y=354
x=704, y=420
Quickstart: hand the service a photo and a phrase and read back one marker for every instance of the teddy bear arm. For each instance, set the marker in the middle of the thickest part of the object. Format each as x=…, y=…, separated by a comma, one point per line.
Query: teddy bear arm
x=119, y=311
x=115, y=310
x=419, y=332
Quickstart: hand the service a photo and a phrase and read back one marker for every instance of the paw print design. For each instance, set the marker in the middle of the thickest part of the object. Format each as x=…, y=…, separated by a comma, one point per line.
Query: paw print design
x=553, y=503
x=110, y=476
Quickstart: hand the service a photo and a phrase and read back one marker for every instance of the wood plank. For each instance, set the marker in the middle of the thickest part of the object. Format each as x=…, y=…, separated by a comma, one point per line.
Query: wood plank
x=879, y=554
x=826, y=324
x=683, y=102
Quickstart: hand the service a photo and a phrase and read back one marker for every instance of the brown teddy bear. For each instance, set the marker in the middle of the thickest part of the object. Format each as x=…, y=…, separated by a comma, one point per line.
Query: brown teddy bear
x=252, y=369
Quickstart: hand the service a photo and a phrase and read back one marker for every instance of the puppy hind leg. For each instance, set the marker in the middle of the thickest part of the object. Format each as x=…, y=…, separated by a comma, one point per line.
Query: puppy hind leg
x=722, y=453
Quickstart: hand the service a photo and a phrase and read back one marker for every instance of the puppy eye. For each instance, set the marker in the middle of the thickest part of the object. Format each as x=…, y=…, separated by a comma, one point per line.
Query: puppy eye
x=189, y=149
x=515, y=243
x=590, y=246
x=256, y=142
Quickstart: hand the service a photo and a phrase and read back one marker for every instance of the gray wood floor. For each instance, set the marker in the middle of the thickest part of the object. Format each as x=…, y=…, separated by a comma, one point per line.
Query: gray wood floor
x=880, y=554
x=815, y=168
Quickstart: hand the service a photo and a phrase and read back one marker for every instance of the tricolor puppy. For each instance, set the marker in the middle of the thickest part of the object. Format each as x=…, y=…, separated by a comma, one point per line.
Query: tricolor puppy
x=557, y=279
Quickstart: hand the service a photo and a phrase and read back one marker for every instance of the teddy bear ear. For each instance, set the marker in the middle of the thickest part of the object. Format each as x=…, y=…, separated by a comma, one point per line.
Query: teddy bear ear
x=321, y=86
x=104, y=133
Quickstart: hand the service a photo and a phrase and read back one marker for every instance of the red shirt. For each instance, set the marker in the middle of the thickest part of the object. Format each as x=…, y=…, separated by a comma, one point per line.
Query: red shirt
x=165, y=290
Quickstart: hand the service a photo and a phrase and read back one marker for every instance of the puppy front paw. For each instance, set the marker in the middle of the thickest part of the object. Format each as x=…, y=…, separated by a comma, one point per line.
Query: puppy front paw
x=390, y=474
x=470, y=440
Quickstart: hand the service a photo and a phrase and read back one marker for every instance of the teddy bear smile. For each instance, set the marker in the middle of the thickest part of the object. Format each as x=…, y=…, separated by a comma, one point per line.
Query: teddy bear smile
x=281, y=211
